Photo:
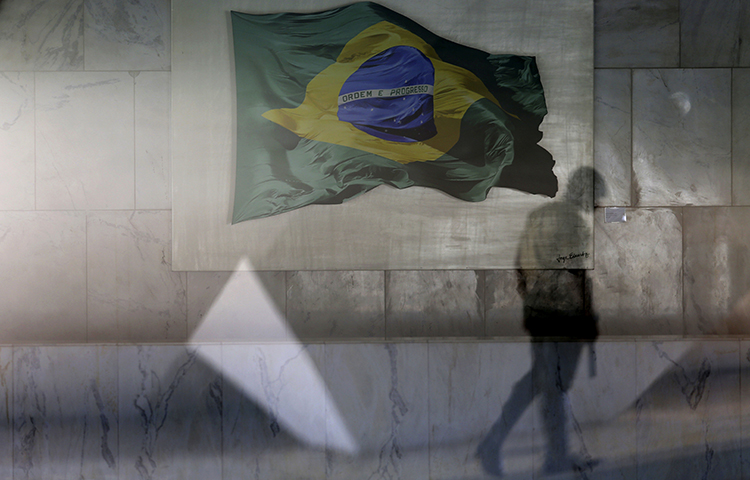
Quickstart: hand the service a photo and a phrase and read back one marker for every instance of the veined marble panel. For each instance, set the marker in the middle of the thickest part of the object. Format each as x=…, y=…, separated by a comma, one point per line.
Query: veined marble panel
x=17, y=140
x=84, y=141
x=636, y=33
x=381, y=392
x=503, y=304
x=133, y=294
x=65, y=412
x=127, y=35
x=712, y=34
x=6, y=412
x=601, y=411
x=470, y=385
x=745, y=402
x=237, y=306
x=717, y=259
x=740, y=138
x=274, y=416
x=637, y=279
x=153, y=187
x=682, y=137
x=336, y=304
x=41, y=35
x=43, y=277
x=687, y=419
x=170, y=407
x=612, y=136
x=432, y=303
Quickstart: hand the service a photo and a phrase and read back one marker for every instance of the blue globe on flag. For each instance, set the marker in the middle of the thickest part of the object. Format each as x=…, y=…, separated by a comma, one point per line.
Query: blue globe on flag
x=391, y=96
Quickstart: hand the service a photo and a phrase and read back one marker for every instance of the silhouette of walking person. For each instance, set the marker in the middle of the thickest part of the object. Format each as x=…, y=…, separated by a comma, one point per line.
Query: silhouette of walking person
x=557, y=315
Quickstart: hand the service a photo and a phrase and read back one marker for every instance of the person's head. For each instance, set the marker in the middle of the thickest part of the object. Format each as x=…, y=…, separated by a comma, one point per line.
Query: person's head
x=580, y=182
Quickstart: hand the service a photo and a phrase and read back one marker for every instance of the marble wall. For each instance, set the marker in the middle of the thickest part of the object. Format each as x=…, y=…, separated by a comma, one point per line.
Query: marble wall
x=639, y=410
x=85, y=247
x=85, y=234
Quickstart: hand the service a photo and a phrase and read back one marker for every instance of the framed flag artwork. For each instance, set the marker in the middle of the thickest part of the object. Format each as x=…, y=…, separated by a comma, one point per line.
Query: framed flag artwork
x=375, y=136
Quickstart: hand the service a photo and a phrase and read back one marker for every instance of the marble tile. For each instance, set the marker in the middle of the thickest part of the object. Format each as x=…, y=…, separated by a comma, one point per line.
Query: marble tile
x=274, y=416
x=336, y=304
x=153, y=186
x=170, y=408
x=682, y=137
x=41, y=35
x=65, y=412
x=716, y=260
x=712, y=33
x=381, y=391
x=43, y=276
x=434, y=303
x=504, y=305
x=84, y=141
x=636, y=33
x=237, y=306
x=470, y=385
x=133, y=294
x=740, y=139
x=612, y=136
x=601, y=415
x=17, y=141
x=127, y=35
x=745, y=409
x=6, y=412
x=687, y=418
x=637, y=279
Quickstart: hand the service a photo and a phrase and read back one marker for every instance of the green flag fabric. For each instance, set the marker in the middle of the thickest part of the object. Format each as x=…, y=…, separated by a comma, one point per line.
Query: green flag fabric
x=333, y=104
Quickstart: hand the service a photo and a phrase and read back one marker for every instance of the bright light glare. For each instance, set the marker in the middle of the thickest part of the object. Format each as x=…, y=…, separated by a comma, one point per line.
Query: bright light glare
x=268, y=363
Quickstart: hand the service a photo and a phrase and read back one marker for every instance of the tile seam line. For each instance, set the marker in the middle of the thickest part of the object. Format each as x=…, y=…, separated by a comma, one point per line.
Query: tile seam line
x=135, y=144
x=731, y=136
x=36, y=172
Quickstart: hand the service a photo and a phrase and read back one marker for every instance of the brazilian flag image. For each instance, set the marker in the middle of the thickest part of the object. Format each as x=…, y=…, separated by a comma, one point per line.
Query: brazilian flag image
x=333, y=104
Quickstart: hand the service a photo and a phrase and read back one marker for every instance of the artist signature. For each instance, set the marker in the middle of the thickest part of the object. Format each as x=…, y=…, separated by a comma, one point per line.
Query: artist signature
x=571, y=256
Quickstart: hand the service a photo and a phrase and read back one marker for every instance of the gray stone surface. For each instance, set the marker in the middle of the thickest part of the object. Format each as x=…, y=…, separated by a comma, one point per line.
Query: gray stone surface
x=127, y=35
x=336, y=304
x=601, y=394
x=682, y=137
x=740, y=137
x=612, y=136
x=713, y=34
x=504, y=305
x=381, y=392
x=434, y=303
x=636, y=33
x=17, y=167
x=745, y=400
x=153, y=186
x=717, y=259
x=237, y=306
x=43, y=277
x=133, y=294
x=469, y=383
x=6, y=405
x=170, y=412
x=84, y=141
x=65, y=418
x=274, y=412
x=41, y=35
x=687, y=418
x=637, y=279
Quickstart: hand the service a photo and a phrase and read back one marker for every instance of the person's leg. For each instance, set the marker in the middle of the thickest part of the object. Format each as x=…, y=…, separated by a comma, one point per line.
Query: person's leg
x=560, y=363
x=520, y=398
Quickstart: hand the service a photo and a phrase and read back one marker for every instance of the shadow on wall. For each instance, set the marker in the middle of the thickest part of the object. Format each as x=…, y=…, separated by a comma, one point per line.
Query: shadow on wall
x=558, y=316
